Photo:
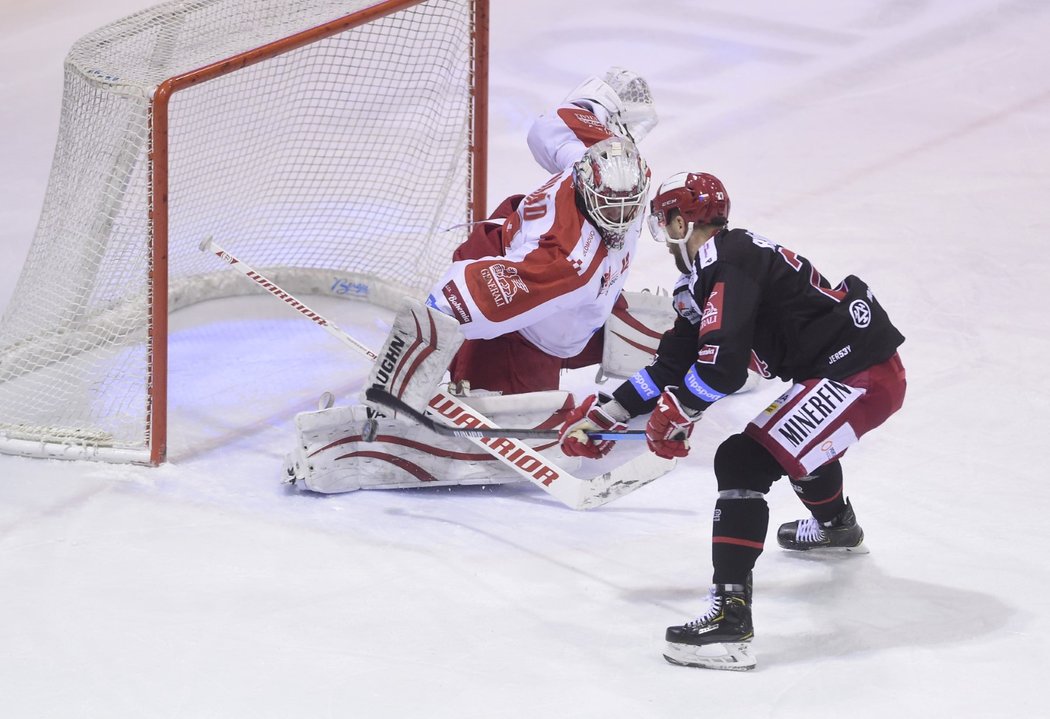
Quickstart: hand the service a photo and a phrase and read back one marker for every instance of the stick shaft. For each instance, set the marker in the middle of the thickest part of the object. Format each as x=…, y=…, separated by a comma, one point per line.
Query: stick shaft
x=381, y=396
x=210, y=245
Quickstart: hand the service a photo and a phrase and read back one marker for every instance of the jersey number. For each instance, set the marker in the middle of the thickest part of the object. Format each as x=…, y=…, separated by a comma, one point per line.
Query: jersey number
x=535, y=205
x=820, y=284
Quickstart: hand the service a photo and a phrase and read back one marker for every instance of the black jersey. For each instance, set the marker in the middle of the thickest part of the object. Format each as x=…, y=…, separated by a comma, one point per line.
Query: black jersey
x=750, y=302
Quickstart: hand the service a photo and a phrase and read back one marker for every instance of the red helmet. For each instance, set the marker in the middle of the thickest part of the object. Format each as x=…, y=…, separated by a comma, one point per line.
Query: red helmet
x=700, y=197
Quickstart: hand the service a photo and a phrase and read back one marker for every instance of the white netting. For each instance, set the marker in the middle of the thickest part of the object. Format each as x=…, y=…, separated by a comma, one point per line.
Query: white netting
x=336, y=165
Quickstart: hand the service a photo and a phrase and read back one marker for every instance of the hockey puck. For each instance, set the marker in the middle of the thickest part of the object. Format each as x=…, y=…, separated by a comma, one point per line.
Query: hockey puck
x=325, y=401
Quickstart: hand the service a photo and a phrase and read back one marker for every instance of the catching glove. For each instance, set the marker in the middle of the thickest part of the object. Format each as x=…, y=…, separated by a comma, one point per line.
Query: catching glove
x=597, y=413
x=669, y=426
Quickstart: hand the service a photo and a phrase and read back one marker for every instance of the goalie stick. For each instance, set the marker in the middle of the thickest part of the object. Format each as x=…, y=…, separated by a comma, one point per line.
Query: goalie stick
x=381, y=396
x=574, y=492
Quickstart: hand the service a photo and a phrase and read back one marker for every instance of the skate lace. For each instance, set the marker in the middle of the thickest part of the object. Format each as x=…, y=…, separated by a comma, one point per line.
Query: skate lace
x=809, y=530
x=713, y=611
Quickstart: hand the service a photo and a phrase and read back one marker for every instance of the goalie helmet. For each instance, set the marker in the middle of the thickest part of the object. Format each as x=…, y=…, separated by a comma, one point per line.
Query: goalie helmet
x=612, y=180
x=699, y=197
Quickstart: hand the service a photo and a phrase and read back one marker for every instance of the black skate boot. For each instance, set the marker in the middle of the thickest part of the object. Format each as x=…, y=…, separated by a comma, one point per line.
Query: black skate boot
x=841, y=534
x=719, y=639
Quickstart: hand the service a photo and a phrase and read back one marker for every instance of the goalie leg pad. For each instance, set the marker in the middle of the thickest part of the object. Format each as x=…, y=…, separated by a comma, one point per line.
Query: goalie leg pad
x=332, y=455
x=413, y=360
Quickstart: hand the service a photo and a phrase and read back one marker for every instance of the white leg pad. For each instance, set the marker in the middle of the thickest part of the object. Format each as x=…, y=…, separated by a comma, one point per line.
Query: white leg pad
x=332, y=456
x=413, y=360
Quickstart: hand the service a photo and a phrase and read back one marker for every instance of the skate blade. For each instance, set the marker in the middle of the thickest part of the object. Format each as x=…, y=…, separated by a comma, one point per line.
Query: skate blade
x=727, y=656
x=861, y=548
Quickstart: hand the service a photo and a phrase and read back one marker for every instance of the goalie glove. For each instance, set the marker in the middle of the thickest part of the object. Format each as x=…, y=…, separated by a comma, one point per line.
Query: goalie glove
x=626, y=99
x=597, y=413
x=670, y=425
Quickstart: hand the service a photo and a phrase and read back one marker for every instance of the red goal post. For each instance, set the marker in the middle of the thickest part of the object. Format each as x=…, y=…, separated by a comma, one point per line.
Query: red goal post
x=321, y=139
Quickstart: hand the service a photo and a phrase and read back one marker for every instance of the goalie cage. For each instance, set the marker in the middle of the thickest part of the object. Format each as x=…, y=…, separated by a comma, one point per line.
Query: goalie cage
x=330, y=142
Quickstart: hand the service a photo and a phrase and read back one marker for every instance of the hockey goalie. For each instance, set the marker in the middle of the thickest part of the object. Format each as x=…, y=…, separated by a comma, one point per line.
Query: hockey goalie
x=536, y=289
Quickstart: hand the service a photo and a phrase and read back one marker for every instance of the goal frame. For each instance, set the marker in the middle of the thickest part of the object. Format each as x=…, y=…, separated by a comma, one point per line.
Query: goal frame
x=157, y=209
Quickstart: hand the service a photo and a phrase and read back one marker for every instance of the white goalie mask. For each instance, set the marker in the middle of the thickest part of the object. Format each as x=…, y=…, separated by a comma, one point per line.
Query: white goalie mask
x=612, y=179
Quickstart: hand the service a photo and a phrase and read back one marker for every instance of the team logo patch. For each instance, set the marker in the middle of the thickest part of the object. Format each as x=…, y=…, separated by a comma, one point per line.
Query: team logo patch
x=860, y=312
x=455, y=300
x=503, y=283
x=758, y=365
x=708, y=354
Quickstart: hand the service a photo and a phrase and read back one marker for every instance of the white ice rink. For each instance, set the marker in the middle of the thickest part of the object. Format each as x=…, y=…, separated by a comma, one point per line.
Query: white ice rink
x=906, y=141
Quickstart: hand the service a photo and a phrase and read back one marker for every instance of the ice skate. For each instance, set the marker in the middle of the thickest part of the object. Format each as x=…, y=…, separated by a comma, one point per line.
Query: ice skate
x=841, y=534
x=720, y=638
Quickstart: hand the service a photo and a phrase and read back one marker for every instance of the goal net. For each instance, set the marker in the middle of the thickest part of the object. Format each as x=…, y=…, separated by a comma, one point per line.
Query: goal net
x=330, y=144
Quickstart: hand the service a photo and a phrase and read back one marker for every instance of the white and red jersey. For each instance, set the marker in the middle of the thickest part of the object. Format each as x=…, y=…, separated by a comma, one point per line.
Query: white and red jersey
x=558, y=139
x=556, y=282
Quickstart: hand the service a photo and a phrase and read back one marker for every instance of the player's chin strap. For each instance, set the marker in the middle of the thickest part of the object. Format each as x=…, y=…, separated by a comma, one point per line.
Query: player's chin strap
x=574, y=492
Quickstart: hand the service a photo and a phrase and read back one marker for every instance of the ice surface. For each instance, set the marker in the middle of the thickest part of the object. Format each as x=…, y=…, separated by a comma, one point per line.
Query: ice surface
x=906, y=141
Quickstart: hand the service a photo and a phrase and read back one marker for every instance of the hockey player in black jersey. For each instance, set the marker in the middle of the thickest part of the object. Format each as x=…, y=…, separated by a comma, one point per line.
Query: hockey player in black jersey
x=743, y=301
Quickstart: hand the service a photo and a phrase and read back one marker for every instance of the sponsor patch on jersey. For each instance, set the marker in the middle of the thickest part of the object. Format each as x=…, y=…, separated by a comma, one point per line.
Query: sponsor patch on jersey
x=708, y=354
x=825, y=401
x=643, y=384
x=708, y=254
x=588, y=118
x=839, y=355
x=700, y=388
x=711, y=319
x=684, y=304
x=455, y=300
x=835, y=444
x=502, y=283
x=860, y=312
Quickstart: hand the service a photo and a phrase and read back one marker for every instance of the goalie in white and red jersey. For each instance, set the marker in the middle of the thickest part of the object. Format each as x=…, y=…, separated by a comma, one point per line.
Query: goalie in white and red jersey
x=743, y=300
x=533, y=293
x=535, y=289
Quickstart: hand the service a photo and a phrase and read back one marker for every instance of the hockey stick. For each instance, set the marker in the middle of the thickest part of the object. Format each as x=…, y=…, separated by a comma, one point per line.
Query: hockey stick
x=208, y=245
x=381, y=396
x=574, y=492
